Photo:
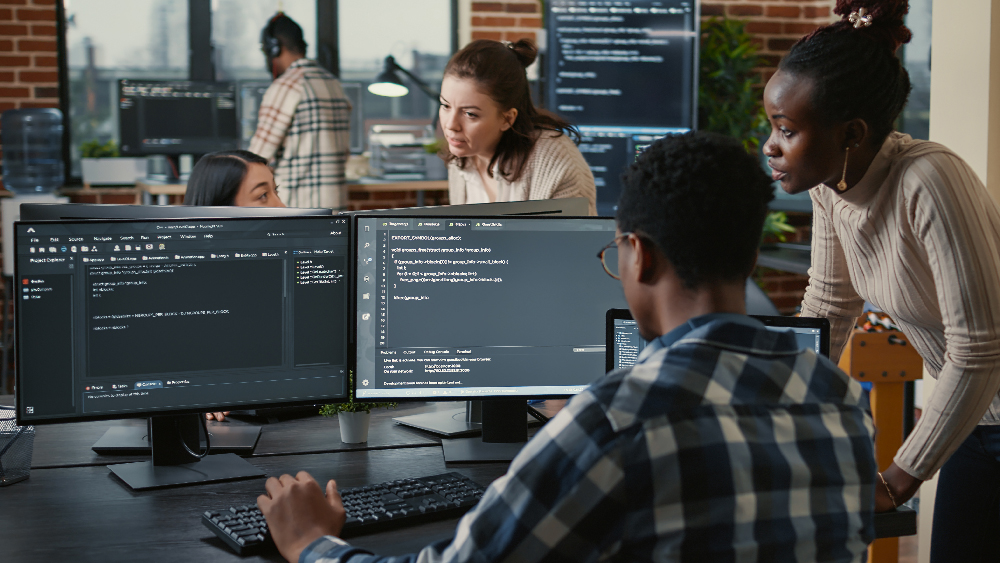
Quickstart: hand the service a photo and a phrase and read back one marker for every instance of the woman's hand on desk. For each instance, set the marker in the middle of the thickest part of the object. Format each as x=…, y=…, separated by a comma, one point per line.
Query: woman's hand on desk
x=220, y=416
x=298, y=514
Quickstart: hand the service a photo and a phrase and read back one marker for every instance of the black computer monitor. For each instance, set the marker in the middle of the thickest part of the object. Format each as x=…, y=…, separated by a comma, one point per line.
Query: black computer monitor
x=626, y=74
x=168, y=319
x=175, y=117
x=569, y=206
x=501, y=309
x=63, y=211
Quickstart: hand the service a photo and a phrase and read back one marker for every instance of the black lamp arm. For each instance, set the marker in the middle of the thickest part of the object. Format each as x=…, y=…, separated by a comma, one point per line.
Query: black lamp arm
x=436, y=96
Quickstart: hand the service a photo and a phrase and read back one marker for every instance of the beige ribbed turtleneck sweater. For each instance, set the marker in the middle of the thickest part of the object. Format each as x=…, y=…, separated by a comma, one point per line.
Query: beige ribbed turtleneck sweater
x=555, y=169
x=919, y=237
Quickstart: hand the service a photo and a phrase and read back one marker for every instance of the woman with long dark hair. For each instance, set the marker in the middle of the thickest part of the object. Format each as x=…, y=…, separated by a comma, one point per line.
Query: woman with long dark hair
x=500, y=146
x=908, y=226
x=237, y=178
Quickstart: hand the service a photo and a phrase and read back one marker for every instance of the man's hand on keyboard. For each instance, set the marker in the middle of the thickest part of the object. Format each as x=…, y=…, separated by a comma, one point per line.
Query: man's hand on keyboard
x=298, y=514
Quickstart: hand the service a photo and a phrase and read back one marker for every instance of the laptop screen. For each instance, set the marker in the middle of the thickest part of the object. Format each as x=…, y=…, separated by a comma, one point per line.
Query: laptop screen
x=624, y=344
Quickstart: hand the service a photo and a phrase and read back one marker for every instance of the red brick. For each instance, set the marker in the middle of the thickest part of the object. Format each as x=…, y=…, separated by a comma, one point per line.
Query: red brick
x=487, y=7
x=6, y=14
x=770, y=60
x=4, y=106
x=43, y=29
x=478, y=21
x=521, y=8
x=800, y=28
x=783, y=11
x=776, y=44
x=117, y=198
x=12, y=29
x=36, y=14
x=40, y=104
x=28, y=45
x=816, y=11
x=519, y=34
x=83, y=198
x=38, y=76
x=6, y=76
x=6, y=46
x=530, y=22
x=713, y=10
x=494, y=35
x=747, y=10
x=13, y=2
x=14, y=92
x=763, y=27
x=14, y=60
x=44, y=2
x=358, y=196
x=46, y=91
x=46, y=61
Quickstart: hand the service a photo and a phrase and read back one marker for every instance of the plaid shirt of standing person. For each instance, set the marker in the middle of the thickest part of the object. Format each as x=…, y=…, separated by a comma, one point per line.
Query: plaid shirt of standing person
x=725, y=442
x=303, y=129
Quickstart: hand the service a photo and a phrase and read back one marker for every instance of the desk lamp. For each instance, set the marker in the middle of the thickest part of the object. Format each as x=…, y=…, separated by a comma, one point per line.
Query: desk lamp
x=390, y=85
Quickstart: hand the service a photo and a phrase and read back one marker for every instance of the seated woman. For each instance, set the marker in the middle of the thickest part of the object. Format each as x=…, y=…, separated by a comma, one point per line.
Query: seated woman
x=232, y=178
x=501, y=147
x=239, y=178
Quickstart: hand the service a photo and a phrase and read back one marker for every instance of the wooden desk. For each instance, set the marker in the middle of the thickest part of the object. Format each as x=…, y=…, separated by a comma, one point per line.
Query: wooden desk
x=84, y=513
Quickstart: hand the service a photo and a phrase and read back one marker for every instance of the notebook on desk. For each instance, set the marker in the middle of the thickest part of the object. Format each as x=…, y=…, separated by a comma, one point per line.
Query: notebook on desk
x=623, y=344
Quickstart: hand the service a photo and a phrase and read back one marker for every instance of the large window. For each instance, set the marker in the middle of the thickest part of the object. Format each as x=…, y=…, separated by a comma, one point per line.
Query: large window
x=107, y=40
x=916, y=117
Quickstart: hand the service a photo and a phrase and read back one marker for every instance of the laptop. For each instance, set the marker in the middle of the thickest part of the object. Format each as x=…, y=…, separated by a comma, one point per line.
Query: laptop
x=623, y=344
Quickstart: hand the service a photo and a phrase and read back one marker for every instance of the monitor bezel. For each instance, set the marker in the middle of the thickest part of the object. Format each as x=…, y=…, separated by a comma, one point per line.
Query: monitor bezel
x=354, y=325
x=84, y=417
x=107, y=211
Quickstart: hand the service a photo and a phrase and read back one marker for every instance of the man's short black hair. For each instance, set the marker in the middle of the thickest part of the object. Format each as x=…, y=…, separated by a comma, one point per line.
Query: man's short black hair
x=702, y=200
x=288, y=33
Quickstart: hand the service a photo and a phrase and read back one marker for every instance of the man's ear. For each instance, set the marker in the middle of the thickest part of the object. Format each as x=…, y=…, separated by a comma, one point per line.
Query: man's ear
x=647, y=259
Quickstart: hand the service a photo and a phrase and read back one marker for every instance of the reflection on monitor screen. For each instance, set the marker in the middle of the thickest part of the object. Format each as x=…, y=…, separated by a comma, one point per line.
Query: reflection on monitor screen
x=468, y=308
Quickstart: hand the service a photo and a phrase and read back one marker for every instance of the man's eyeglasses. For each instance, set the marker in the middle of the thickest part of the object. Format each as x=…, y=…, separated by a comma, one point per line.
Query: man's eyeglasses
x=609, y=256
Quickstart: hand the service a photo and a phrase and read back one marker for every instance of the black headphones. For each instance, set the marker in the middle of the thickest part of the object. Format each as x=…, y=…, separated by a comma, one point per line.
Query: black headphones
x=269, y=43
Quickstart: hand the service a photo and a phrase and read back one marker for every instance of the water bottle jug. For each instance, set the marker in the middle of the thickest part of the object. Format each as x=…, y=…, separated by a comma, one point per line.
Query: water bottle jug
x=32, y=150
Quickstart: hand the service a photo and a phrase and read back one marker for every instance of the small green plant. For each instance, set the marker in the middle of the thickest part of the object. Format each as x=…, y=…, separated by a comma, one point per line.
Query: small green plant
x=776, y=226
x=97, y=149
x=351, y=405
x=729, y=96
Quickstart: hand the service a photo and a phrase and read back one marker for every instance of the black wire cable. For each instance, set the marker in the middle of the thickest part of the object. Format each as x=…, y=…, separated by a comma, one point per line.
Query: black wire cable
x=208, y=439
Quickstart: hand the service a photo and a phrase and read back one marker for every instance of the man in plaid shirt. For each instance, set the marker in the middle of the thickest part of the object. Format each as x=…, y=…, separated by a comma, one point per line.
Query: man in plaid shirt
x=725, y=442
x=303, y=126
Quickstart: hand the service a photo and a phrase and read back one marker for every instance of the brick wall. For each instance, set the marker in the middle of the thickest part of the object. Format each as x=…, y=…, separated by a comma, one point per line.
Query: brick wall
x=29, y=75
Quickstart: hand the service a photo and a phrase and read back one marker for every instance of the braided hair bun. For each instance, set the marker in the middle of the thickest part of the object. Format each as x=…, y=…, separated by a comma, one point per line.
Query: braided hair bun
x=853, y=66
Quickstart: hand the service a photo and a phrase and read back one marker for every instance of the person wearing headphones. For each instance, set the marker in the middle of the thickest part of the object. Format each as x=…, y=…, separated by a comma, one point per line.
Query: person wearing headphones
x=303, y=127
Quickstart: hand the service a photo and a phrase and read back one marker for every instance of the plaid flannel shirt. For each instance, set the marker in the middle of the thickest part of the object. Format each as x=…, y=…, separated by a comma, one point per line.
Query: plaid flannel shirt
x=303, y=128
x=725, y=442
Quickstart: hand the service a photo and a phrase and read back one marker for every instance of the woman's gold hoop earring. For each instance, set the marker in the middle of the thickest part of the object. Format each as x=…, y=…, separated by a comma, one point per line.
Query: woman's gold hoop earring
x=842, y=184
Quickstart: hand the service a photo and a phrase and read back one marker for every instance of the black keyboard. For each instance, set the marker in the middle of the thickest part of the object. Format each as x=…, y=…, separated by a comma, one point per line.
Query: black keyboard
x=371, y=508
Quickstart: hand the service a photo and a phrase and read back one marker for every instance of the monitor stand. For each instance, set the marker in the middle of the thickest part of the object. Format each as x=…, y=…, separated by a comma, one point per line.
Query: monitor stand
x=173, y=466
x=505, y=431
x=135, y=439
x=451, y=423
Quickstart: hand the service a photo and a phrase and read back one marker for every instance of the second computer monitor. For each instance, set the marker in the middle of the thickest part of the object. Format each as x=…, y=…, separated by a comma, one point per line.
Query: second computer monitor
x=469, y=308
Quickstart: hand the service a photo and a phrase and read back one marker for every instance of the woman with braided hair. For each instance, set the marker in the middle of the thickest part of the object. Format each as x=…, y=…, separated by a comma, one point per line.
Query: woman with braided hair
x=500, y=146
x=906, y=225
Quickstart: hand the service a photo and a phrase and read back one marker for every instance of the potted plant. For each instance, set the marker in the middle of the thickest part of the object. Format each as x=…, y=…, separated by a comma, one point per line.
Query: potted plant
x=101, y=164
x=354, y=416
x=729, y=96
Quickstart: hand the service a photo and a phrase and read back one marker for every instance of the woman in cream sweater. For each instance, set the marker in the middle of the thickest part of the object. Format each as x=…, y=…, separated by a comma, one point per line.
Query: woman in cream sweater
x=907, y=226
x=500, y=147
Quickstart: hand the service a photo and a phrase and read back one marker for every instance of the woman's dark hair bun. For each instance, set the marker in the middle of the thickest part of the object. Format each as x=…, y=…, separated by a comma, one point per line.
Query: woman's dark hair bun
x=887, y=17
x=525, y=50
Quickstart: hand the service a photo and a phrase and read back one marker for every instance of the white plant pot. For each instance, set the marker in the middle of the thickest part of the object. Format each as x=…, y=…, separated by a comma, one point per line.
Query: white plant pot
x=354, y=426
x=120, y=171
